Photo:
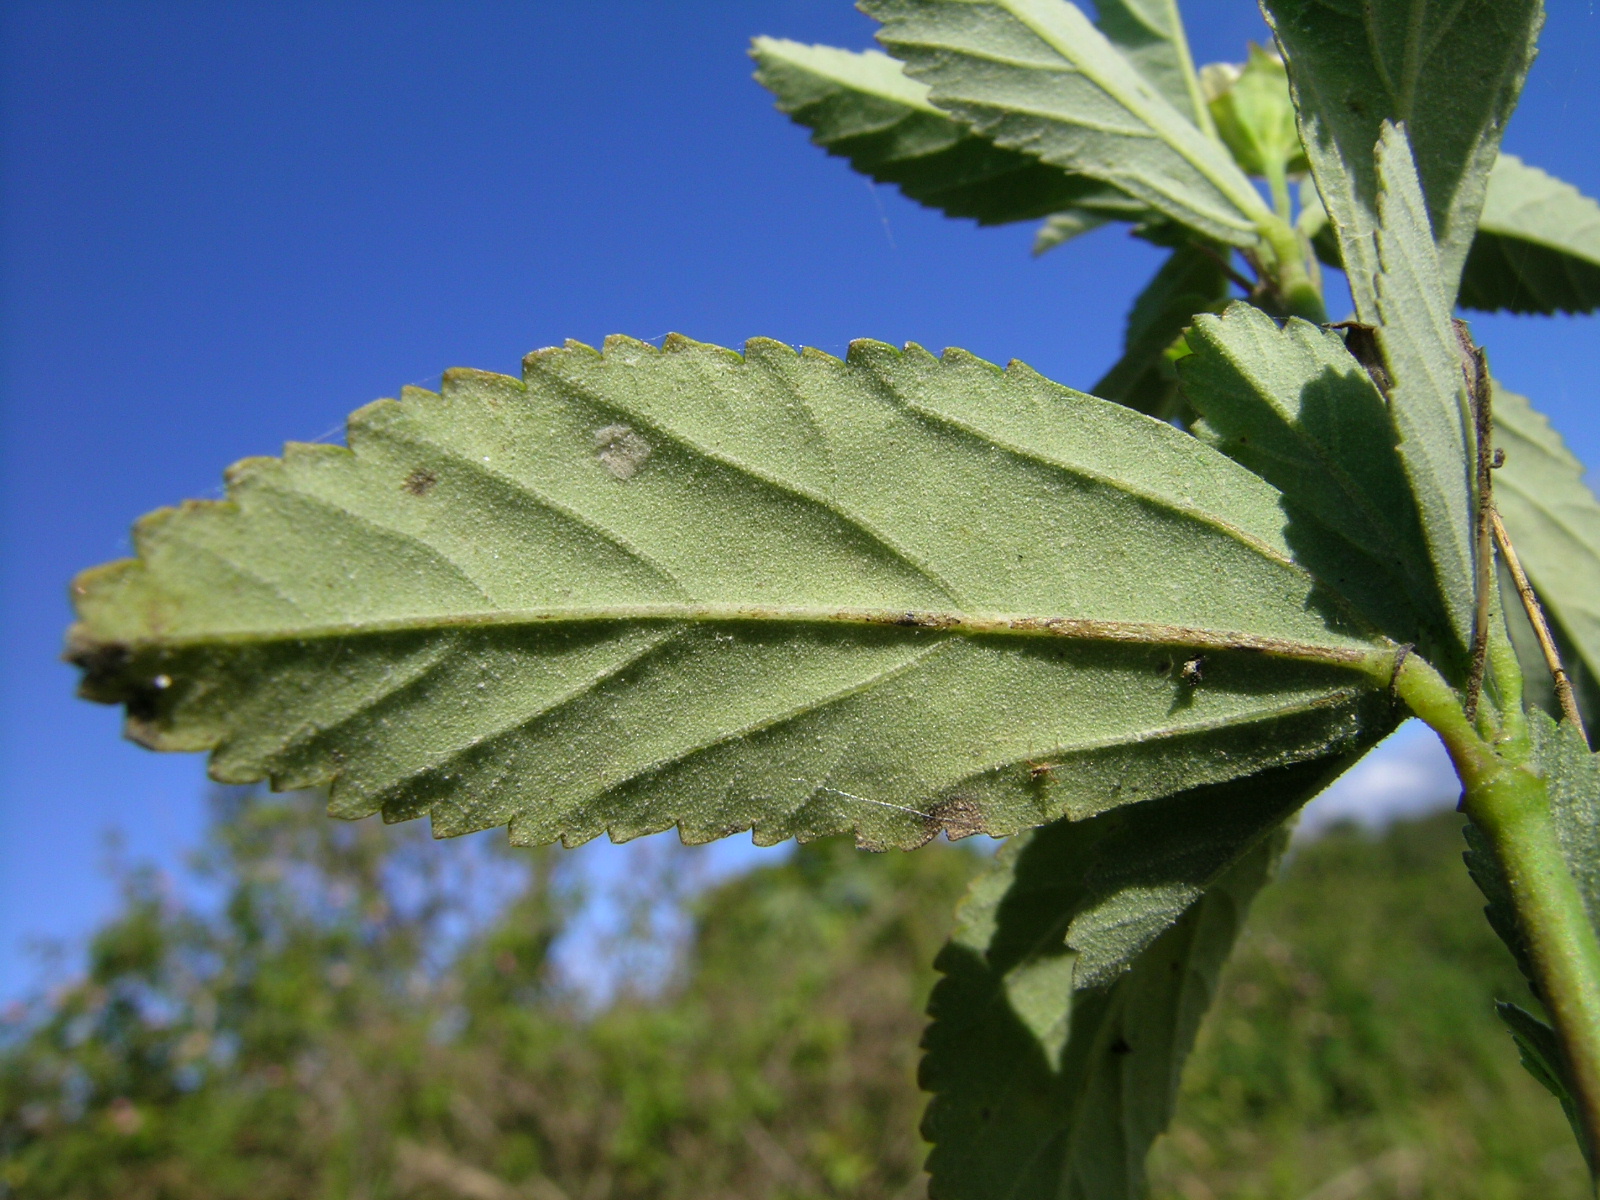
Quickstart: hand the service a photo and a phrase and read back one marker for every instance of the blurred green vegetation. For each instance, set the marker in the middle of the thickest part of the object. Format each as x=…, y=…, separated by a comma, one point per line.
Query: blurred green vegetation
x=350, y=1022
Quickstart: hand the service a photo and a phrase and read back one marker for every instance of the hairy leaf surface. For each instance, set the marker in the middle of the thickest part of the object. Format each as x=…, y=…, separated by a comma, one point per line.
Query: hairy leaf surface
x=1038, y=77
x=1293, y=405
x=895, y=594
x=1450, y=72
x=1538, y=245
x=864, y=108
x=1191, y=281
x=1150, y=35
x=1079, y=970
x=1428, y=395
x=1554, y=522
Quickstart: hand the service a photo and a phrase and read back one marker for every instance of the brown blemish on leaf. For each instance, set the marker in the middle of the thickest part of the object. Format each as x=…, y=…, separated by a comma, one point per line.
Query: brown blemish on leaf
x=956, y=818
x=420, y=482
x=621, y=450
x=1362, y=342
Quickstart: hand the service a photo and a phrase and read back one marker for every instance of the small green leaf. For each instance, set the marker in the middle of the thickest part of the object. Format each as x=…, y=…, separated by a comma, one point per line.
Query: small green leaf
x=1191, y=281
x=864, y=108
x=1538, y=245
x=1540, y=1051
x=1074, y=983
x=1036, y=76
x=1554, y=522
x=1151, y=36
x=1255, y=115
x=1428, y=398
x=1294, y=406
x=895, y=594
x=1451, y=73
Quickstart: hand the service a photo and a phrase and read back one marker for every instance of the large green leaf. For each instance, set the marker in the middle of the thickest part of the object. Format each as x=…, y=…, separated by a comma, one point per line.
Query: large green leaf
x=1077, y=975
x=1428, y=397
x=895, y=594
x=1554, y=522
x=1150, y=35
x=863, y=107
x=1450, y=72
x=1192, y=280
x=1293, y=405
x=1538, y=245
x=1038, y=77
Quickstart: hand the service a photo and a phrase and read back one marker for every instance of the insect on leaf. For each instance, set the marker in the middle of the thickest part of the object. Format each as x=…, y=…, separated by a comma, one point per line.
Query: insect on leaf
x=771, y=590
x=1038, y=77
x=1450, y=72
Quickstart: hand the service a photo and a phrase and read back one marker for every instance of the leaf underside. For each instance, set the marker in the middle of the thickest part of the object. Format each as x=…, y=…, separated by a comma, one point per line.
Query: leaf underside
x=1538, y=245
x=1081, y=965
x=894, y=595
x=1036, y=76
x=1452, y=73
x=863, y=107
x=1292, y=404
x=1422, y=353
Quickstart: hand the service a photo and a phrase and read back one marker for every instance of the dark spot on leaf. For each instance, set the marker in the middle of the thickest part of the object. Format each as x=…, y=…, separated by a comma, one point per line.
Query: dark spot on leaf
x=1362, y=342
x=1120, y=1046
x=420, y=482
x=956, y=817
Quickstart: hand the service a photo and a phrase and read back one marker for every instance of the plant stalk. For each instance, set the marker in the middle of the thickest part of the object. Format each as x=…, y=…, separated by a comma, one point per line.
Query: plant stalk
x=1511, y=805
x=1299, y=290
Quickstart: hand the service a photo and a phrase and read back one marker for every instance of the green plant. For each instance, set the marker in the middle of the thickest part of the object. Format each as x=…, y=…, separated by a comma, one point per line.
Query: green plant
x=898, y=595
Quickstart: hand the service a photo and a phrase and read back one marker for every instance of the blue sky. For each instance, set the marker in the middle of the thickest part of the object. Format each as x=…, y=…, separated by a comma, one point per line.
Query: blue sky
x=226, y=226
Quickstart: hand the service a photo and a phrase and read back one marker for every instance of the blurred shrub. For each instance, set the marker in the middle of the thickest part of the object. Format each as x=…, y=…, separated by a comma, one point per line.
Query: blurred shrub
x=351, y=1022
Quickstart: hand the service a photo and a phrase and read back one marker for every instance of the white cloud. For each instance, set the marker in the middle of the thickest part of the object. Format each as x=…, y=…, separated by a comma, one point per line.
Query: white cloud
x=1408, y=775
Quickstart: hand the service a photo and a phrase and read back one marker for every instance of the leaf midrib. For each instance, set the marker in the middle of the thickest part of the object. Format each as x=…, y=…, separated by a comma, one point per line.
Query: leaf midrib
x=1371, y=656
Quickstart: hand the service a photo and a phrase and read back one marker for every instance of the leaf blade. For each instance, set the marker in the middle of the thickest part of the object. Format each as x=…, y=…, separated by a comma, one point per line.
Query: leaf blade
x=1060, y=1026
x=864, y=108
x=1037, y=76
x=1450, y=74
x=753, y=608
x=1554, y=521
x=1537, y=248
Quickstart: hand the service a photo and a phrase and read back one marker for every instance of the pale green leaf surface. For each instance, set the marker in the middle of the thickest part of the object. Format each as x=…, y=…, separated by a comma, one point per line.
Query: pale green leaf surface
x=863, y=107
x=1073, y=984
x=1450, y=71
x=1554, y=521
x=1190, y=281
x=778, y=590
x=1293, y=405
x=1423, y=356
x=1062, y=227
x=1150, y=35
x=1037, y=76
x=1538, y=245
x=1255, y=115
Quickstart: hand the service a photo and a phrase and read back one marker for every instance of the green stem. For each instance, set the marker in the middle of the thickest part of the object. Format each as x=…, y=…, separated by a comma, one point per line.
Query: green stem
x=1511, y=805
x=1300, y=292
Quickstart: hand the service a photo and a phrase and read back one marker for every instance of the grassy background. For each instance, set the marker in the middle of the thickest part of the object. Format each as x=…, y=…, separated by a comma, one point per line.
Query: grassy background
x=348, y=1024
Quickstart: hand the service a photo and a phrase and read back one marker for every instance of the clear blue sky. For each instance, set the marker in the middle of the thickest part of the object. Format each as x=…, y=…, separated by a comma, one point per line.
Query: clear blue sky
x=226, y=225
